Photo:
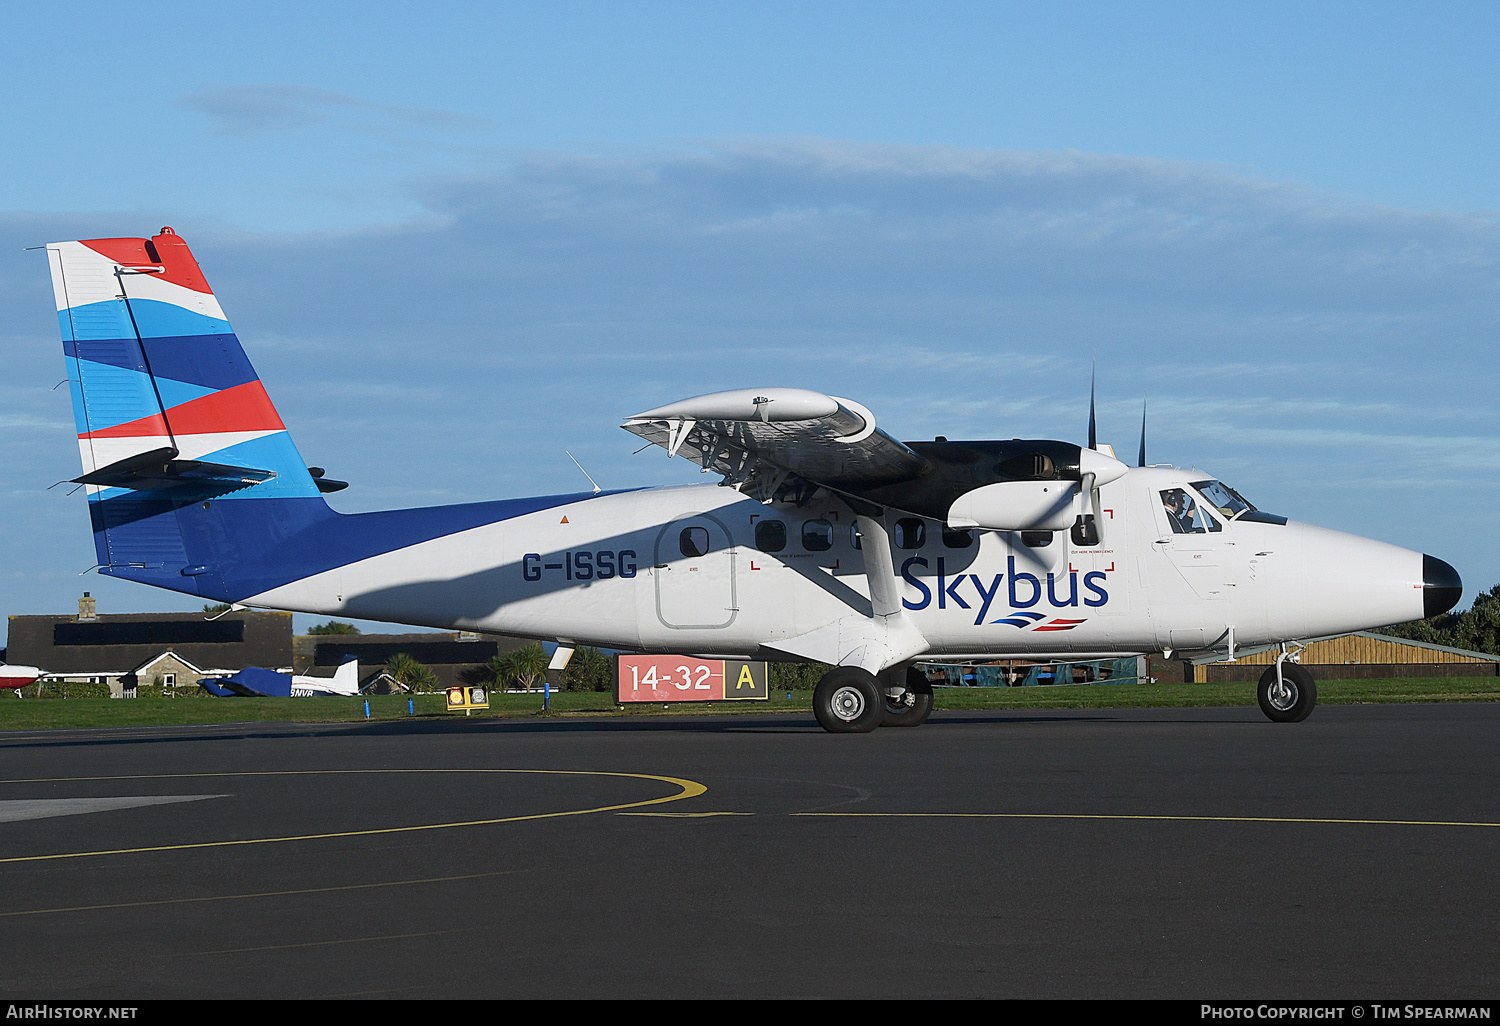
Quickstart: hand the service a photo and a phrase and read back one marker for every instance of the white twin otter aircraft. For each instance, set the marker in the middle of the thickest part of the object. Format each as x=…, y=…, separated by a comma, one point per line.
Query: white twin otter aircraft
x=831, y=542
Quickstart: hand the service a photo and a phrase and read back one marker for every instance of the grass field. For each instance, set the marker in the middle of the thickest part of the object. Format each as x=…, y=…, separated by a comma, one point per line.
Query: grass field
x=33, y=714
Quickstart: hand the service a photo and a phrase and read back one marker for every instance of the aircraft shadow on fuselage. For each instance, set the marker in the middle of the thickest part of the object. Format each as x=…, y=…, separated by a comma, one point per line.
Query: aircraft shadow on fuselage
x=477, y=596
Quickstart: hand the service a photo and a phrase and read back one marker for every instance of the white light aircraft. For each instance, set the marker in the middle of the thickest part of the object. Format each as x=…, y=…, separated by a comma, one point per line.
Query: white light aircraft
x=825, y=538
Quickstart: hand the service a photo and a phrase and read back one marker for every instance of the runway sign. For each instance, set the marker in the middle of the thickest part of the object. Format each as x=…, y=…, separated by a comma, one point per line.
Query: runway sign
x=674, y=678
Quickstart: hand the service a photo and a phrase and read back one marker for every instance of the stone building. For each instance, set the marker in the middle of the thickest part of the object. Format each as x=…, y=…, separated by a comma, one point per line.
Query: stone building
x=449, y=654
x=124, y=649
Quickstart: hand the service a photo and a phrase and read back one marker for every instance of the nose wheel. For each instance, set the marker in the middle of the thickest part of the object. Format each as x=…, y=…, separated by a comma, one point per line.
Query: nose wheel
x=1289, y=696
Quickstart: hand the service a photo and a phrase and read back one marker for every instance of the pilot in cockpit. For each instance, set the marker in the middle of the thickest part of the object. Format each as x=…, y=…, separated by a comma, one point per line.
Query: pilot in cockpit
x=1181, y=511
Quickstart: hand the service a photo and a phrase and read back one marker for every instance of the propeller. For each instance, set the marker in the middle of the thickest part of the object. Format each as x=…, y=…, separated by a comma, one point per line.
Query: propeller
x=1086, y=527
x=1093, y=374
x=1140, y=460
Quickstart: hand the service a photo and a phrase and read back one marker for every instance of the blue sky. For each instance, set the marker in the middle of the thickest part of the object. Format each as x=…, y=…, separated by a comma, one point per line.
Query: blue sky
x=459, y=239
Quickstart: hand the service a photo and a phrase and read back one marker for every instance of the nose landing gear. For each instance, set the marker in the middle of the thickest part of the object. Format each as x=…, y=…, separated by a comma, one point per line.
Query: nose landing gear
x=1287, y=692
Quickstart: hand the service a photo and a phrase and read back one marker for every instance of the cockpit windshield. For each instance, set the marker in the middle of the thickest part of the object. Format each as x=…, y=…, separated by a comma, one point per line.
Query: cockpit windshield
x=1224, y=498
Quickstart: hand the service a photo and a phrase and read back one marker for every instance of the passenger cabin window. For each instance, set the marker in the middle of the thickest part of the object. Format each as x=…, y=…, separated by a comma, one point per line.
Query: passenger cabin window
x=694, y=541
x=910, y=533
x=854, y=535
x=1036, y=539
x=817, y=536
x=955, y=539
x=770, y=536
x=1186, y=515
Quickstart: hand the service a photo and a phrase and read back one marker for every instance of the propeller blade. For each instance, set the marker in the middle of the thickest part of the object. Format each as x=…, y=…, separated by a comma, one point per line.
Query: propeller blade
x=1141, y=460
x=1093, y=436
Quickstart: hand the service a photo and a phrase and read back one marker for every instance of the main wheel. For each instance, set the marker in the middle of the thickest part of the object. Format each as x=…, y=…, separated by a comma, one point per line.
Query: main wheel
x=913, y=704
x=1290, y=699
x=848, y=701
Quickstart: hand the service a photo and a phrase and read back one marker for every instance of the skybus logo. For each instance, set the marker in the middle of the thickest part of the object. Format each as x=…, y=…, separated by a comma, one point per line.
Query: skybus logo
x=1024, y=591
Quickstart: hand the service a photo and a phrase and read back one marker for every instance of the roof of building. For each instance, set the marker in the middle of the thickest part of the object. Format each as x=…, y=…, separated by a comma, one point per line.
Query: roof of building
x=117, y=642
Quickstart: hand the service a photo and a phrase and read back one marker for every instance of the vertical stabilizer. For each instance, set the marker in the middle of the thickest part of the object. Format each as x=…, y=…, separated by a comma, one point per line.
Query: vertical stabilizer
x=180, y=445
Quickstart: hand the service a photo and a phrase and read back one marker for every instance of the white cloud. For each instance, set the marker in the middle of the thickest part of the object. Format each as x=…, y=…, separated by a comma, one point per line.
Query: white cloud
x=1320, y=352
x=264, y=108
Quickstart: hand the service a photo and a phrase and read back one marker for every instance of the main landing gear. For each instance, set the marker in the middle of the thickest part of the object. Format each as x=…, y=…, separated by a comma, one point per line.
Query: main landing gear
x=849, y=700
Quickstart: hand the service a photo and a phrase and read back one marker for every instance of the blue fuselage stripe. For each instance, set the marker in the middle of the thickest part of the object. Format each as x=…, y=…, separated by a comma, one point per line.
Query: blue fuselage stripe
x=249, y=546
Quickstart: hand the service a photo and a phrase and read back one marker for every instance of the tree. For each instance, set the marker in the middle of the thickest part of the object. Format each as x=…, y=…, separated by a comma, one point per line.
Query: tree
x=333, y=627
x=589, y=670
x=413, y=675
x=1476, y=628
x=521, y=668
x=220, y=607
x=796, y=676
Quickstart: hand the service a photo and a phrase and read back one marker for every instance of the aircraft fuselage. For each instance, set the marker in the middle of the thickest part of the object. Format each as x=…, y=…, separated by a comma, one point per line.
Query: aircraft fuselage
x=688, y=569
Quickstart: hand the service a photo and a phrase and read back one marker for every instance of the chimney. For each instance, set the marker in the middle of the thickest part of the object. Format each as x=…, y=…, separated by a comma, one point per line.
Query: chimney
x=86, y=608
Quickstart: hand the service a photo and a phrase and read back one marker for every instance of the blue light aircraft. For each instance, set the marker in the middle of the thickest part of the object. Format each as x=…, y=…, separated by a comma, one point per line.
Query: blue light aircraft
x=256, y=682
x=824, y=538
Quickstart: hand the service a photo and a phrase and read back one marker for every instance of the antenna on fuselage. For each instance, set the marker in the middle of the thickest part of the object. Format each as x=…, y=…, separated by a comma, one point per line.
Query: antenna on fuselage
x=585, y=473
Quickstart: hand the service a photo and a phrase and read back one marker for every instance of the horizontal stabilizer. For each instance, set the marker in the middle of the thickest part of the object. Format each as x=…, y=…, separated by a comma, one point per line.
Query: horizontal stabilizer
x=326, y=484
x=160, y=468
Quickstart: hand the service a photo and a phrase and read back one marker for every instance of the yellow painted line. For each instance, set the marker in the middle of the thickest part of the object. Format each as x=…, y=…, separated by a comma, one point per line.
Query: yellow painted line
x=347, y=940
x=1183, y=819
x=257, y=894
x=690, y=789
x=683, y=815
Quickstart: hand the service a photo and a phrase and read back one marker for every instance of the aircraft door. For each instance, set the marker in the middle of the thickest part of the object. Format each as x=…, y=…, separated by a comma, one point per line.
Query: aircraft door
x=694, y=571
x=1194, y=538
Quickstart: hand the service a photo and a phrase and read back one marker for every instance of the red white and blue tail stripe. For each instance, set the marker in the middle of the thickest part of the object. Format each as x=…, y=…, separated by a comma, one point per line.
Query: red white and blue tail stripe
x=154, y=365
x=193, y=482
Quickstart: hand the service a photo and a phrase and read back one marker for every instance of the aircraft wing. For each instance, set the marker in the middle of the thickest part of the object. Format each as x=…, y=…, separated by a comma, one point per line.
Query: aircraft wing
x=772, y=441
x=251, y=682
x=786, y=443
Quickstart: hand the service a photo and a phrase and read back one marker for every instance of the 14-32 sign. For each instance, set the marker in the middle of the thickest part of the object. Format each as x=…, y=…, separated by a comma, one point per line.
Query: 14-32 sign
x=670, y=678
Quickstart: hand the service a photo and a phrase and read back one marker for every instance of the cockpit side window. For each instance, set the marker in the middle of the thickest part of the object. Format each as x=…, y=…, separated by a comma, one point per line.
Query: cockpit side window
x=1186, y=514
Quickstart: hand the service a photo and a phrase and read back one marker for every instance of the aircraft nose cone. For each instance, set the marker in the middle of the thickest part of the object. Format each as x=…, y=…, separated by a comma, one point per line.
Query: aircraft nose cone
x=1441, y=586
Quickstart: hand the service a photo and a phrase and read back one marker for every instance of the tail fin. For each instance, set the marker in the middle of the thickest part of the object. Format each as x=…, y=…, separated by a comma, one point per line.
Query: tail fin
x=171, y=417
x=346, y=677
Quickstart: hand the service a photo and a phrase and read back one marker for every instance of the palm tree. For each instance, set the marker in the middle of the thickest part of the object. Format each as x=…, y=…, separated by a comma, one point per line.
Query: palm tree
x=589, y=670
x=413, y=675
x=524, y=667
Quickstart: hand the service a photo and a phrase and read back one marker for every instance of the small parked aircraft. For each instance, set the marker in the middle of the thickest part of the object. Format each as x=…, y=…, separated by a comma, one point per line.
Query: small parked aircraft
x=825, y=538
x=254, y=682
x=17, y=677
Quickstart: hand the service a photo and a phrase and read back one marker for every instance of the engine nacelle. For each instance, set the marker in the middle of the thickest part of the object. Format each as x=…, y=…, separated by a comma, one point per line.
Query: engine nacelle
x=1017, y=506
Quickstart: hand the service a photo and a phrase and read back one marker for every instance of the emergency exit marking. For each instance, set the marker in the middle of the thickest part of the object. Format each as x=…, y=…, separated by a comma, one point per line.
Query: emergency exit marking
x=675, y=678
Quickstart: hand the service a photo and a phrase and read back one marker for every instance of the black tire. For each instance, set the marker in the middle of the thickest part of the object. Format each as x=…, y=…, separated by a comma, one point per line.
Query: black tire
x=1293, y=699
x=914, y=705
x=848, y=701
